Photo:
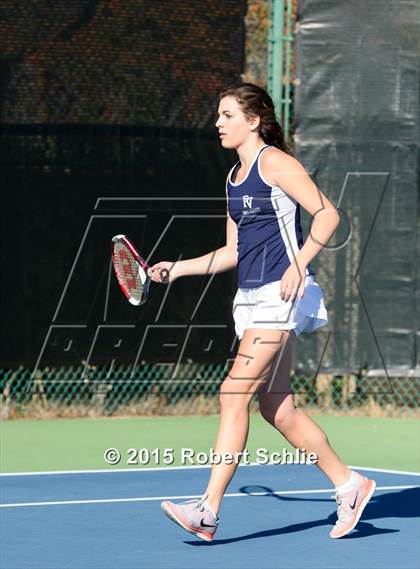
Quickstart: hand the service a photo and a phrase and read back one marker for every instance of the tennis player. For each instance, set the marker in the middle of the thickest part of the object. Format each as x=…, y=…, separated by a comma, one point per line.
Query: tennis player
x=277, y=299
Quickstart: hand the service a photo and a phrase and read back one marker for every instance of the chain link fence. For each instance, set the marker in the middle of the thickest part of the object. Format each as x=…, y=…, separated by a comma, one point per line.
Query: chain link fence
x=152, y=389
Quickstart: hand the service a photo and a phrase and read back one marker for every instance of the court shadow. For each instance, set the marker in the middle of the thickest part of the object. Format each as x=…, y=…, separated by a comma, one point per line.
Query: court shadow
x=403, y=504
x=366, y=530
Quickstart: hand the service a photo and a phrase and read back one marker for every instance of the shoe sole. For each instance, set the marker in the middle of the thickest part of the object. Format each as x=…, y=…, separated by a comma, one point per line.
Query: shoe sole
x=362, y=506
x=178, y=520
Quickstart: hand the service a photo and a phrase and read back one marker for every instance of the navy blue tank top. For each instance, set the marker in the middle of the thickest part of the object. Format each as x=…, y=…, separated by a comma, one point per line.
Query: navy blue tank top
x=269, y=230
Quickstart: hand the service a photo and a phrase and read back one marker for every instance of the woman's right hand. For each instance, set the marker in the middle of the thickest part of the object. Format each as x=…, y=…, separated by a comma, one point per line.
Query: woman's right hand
x=164, y=272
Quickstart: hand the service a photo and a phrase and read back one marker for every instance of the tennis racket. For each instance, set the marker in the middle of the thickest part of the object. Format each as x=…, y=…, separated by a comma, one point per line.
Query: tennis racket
x=133, y=273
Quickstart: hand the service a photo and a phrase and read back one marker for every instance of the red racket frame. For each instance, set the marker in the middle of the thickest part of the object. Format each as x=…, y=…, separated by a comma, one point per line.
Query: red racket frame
x=123, y=238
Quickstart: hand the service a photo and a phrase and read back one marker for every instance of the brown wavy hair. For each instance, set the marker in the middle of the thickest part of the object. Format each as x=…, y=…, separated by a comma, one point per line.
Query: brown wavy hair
x=255, y=101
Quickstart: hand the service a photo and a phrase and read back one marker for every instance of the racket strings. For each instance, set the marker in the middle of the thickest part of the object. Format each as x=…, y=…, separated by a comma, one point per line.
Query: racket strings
x=129, y=273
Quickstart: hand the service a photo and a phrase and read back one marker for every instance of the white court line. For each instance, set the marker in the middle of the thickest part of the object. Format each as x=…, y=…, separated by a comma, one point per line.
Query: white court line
x=159, y=498
x=110, y=470
x=164, y=468
x=386, y=470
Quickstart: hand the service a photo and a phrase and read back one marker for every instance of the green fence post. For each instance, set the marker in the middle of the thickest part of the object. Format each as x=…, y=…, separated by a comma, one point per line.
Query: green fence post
x=279, y=59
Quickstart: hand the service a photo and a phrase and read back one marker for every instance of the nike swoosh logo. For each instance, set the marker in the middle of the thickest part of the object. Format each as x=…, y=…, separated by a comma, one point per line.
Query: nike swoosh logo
x=203, y=525
x=354, y=503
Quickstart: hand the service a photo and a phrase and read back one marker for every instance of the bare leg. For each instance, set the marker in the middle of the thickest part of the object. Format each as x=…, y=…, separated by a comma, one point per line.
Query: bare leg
x=256, y=354
x=277, y=407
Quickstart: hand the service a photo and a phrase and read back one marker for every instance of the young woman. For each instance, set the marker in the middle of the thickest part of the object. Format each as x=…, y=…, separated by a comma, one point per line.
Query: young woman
x=277, y=299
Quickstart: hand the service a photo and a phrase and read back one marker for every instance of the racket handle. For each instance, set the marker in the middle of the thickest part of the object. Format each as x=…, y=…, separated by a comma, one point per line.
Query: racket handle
x=149, y=272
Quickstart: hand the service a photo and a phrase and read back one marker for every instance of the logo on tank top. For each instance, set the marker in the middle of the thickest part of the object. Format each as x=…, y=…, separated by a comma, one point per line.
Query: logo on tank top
x=247, y=205
x=248, y=201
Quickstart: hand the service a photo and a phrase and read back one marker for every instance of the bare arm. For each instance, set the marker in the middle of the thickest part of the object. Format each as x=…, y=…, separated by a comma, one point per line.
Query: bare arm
x=285, y=171
x=218, y=261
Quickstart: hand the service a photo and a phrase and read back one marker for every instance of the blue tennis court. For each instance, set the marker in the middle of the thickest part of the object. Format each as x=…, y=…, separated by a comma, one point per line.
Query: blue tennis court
x=272, y=516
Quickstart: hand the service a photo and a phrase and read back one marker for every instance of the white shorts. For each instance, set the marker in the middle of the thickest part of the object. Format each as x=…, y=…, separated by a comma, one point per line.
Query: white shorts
x=262, y=307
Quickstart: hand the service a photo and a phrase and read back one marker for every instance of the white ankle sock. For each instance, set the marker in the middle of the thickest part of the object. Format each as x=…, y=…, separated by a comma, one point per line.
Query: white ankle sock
x=348, y=485
x=206, y=505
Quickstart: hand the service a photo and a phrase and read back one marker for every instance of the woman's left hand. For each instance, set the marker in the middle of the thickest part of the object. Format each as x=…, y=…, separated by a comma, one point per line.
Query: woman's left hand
x=292, y=283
